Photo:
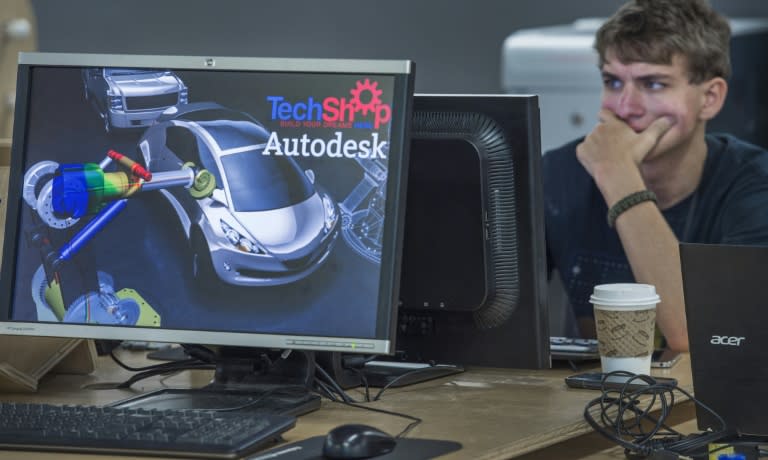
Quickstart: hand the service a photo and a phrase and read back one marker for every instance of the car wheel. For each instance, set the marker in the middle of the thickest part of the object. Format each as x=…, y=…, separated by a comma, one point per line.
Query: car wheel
x=202, y=265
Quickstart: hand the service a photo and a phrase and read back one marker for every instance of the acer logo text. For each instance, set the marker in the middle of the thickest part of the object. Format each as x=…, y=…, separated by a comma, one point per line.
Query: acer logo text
x=726, y=340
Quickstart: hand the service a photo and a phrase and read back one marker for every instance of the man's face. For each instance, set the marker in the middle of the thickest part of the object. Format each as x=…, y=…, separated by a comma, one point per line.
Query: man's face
x=639, y=93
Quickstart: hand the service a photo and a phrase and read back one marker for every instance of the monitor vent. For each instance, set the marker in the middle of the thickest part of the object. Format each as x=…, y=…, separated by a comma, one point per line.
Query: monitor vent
x=497, y=159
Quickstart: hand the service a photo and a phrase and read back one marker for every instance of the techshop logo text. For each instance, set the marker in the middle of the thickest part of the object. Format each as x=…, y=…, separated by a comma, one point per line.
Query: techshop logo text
x=362, y=109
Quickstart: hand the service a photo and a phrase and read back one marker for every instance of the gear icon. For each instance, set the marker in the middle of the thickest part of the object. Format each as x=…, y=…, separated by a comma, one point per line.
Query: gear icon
x=374, y=101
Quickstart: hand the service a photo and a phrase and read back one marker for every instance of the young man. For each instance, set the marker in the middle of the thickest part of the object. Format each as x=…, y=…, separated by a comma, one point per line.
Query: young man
x=648, y=176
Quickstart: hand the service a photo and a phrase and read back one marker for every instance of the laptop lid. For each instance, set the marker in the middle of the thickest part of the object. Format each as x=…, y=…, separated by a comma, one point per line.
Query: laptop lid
x=726, y=304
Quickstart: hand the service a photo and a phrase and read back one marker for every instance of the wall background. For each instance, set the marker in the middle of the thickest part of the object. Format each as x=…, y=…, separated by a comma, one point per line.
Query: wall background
x=456, y=44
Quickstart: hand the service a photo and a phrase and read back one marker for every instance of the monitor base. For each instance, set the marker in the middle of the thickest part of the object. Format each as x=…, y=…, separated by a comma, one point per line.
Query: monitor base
x=277, y=399
x=394, y=374
x=246, y=379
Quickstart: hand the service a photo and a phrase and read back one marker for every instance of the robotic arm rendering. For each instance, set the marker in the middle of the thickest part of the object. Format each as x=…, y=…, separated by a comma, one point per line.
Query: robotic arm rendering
x=86, y=191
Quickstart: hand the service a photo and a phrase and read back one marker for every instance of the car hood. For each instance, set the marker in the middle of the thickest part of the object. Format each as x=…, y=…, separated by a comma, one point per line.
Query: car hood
x=141, y=84
x=294, y=231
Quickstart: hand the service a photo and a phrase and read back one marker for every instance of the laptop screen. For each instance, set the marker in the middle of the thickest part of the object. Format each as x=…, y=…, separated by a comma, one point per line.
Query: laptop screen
x=726, y=304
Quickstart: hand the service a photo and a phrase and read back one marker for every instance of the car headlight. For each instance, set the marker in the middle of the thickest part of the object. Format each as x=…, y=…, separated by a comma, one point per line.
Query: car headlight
x=115, y=102
x=330, y=212
x=239, y=241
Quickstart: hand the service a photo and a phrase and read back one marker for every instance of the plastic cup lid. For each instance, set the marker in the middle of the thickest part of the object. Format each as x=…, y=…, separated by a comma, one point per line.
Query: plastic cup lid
x=624, y=295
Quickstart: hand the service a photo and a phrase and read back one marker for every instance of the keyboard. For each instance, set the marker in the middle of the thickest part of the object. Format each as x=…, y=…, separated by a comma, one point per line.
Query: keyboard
x=109, y=430
x=573, y=349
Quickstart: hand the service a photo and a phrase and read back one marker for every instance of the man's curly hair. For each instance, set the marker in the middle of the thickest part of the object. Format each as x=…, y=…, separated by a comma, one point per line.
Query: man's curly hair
x=655, y=31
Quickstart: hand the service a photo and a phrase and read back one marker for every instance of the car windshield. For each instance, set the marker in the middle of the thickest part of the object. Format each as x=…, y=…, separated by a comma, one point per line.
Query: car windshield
x=261, y=183
x=231, y=134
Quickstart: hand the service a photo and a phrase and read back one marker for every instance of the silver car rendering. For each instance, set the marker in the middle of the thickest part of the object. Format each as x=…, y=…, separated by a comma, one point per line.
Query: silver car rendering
x=132, y=98
x=267, y=221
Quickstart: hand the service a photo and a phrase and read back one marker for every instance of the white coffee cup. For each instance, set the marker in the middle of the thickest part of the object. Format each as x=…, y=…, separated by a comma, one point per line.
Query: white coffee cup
x=625, y=319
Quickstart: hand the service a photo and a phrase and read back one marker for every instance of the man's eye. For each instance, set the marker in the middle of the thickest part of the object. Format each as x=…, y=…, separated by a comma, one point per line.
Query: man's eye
x=655, y=85
x=611, y=83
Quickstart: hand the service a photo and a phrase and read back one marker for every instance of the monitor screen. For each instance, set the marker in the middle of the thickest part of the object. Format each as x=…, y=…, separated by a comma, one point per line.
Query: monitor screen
x=223, y=201
x=473, y=282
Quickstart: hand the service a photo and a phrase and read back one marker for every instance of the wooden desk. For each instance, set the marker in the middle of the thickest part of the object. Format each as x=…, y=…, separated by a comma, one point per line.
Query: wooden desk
x=494, y=413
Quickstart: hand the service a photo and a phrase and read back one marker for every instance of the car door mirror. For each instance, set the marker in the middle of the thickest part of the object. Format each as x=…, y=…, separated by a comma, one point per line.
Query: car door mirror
x=219, y=196
x=310, y=175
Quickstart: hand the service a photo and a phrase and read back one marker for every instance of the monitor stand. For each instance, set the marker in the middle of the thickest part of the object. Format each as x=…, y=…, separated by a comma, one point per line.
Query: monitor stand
x=393, y=374
x=246, y=379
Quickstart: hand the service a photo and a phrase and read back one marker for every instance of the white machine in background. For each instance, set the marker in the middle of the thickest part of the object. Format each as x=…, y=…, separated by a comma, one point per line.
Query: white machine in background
x=559, y=64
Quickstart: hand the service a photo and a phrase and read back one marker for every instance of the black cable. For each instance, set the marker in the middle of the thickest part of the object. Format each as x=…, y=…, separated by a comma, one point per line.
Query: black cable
x=624, y=416
x=326, y=391
x=200, y=352
x=403, y=376
x=329, y=380
x=157, y=369
x=415, y=420
x=164, y=370
x=347, y=400
x=364, y=380
x=277, y=390
x=148, y=368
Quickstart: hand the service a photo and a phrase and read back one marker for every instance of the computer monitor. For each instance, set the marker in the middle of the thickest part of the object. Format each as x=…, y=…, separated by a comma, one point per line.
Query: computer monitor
x=473, y=282
x=239, y=202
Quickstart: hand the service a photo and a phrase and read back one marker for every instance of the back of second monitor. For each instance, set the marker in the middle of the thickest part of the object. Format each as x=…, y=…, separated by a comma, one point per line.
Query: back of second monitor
x=473, y=281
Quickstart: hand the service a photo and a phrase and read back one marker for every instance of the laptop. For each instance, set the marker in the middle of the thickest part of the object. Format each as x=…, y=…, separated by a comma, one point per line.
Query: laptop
x=726, y=304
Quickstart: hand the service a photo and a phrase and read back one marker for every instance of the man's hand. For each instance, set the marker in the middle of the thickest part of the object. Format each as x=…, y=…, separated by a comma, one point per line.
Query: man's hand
x=612, y=152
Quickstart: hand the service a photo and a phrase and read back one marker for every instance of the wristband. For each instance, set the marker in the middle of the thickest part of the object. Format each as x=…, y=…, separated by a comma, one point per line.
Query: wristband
x=627, y=202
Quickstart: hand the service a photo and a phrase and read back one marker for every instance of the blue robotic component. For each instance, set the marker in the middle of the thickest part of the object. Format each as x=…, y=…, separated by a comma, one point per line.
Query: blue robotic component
x=90, y=230
x=78, y=189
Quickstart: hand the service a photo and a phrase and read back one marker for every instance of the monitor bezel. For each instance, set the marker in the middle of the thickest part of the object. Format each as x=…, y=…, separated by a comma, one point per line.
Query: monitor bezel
x=403, y=73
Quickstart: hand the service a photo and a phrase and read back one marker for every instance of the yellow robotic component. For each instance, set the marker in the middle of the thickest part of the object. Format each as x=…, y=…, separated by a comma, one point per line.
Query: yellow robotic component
x=147, y=316
x=204, y=182
x=54, y=299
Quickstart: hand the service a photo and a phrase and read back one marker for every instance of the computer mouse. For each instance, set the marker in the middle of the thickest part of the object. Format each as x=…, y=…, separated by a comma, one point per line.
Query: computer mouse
x=357, y=441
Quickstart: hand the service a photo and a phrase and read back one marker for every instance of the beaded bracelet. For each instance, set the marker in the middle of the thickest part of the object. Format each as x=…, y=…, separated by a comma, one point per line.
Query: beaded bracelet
x=627, y=202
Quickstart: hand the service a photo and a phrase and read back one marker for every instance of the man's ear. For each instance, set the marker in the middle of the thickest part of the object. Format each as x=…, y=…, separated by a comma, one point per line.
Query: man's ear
x=714, y=93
